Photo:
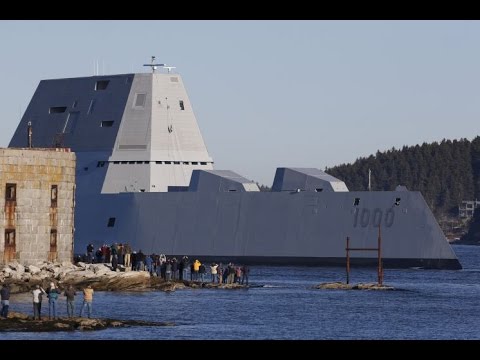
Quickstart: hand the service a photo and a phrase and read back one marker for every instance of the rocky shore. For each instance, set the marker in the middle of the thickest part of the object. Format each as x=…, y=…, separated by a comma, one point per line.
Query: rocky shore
x=22, y=322
x=344, y=286
x=100, y=276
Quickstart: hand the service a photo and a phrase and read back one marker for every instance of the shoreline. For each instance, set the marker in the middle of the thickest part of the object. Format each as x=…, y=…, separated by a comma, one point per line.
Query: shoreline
x=20, y=322
x=23, y=279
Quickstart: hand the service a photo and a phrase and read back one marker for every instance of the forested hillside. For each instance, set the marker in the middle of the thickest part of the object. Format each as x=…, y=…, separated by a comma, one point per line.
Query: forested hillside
x=446, y=173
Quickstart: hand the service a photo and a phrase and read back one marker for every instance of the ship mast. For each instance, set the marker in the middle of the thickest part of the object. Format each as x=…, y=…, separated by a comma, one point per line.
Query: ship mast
x=153, y=65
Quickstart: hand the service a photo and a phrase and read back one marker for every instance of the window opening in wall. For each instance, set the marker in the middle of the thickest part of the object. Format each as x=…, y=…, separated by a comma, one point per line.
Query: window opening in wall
x=9, y=237
x=318, y=190
x=194, y=162
x=397, y=201
x=158, y=162
x=131, y=162
x=176, y=162
x=142, y=190
x=57, y=109
x=11, y=192
x=101, y=164
x=140, y=100
x=232, y=190
x=53, y=239
x=139, y=162
x=106, y=123
x=111, y=222
x=101, y=84
x=203, y=163
x=116, y=162
x=356, y=202
x=186, y=163
x=182, y=107
x=168, y=162
x=53, y=195
x=124, y=162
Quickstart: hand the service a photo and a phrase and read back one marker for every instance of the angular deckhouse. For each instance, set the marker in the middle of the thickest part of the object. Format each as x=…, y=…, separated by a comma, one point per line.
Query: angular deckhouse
x=144, y=176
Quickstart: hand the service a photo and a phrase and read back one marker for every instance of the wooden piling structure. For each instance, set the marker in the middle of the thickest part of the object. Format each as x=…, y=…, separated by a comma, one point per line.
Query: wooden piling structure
x=378, y=249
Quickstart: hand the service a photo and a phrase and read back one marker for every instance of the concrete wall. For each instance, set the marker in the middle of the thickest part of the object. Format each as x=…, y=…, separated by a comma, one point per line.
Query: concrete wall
x=32, y=214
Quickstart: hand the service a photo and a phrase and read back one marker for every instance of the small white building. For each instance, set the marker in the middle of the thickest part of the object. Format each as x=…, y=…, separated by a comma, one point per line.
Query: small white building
x=37, y=204
x=467, y=208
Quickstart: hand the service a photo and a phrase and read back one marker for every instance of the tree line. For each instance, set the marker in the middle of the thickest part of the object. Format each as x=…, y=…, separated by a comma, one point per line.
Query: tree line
x=445, y=173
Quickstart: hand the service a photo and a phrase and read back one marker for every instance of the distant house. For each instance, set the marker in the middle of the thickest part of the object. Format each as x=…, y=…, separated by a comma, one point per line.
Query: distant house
x=36, y=204
x=466, y=209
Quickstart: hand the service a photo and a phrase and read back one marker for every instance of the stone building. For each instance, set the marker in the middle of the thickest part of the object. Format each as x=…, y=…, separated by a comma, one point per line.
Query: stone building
x=37, y=203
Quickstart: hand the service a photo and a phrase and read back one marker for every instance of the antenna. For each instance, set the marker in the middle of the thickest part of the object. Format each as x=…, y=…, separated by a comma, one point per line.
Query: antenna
x=153, y=65
x=169, y=68
x=369, y=180
x=29, y=134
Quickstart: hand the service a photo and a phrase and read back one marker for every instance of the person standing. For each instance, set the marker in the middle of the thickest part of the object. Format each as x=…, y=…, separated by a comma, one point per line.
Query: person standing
x=5, y=295
x=87, y=300
x=127, y=251
x=213, y=271
x=37, y=302
x=245, y=273
x=90, y=249
x=52, y=294
x=70, y=294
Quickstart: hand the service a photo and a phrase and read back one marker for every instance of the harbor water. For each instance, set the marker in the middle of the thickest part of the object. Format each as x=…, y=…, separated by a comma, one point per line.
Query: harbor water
x=281, y=304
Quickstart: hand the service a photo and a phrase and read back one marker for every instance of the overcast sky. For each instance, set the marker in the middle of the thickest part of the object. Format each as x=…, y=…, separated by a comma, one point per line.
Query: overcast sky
x=271, y=94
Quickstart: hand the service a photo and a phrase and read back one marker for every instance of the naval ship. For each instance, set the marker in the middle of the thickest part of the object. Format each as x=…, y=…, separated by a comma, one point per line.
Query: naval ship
x=144, y=176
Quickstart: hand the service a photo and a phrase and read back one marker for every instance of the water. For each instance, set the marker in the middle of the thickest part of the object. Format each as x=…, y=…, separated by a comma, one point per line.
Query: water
x=430, y=304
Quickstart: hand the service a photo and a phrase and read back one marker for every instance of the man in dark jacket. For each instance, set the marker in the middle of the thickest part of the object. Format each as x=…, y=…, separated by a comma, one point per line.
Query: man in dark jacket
x=70, y=294
x=5, y=295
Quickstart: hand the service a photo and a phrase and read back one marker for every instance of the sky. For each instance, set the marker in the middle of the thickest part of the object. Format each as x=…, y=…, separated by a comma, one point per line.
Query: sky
x=270, y=94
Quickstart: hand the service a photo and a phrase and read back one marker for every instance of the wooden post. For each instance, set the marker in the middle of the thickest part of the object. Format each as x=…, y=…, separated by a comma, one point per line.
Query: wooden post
x=348, y=259
x=380, y=267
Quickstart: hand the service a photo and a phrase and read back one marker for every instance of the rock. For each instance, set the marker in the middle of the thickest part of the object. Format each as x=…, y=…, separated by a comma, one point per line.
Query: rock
x=16, y=276
x=334, y=286
x=26, y=276
x=32, y=269
x=99, y=269
x=68, y=265
x=24, y=323
x=62, y=326
x=19, y=268
x=344, y=286
x=372, y=286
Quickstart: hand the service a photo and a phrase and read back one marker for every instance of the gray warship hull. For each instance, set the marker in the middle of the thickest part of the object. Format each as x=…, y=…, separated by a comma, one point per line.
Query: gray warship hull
x=144, y=176
x=270, y=228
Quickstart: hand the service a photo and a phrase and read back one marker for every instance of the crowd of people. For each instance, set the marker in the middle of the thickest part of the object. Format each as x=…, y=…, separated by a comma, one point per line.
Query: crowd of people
x=52, y=293
x=167, y=268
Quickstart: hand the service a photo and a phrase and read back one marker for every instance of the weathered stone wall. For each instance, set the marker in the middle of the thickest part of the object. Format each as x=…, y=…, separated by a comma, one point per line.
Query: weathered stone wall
x=32, y=215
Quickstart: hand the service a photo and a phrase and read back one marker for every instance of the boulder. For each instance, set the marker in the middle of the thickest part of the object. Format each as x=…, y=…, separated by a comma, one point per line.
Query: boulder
x=19, y=268
x=32, y=269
